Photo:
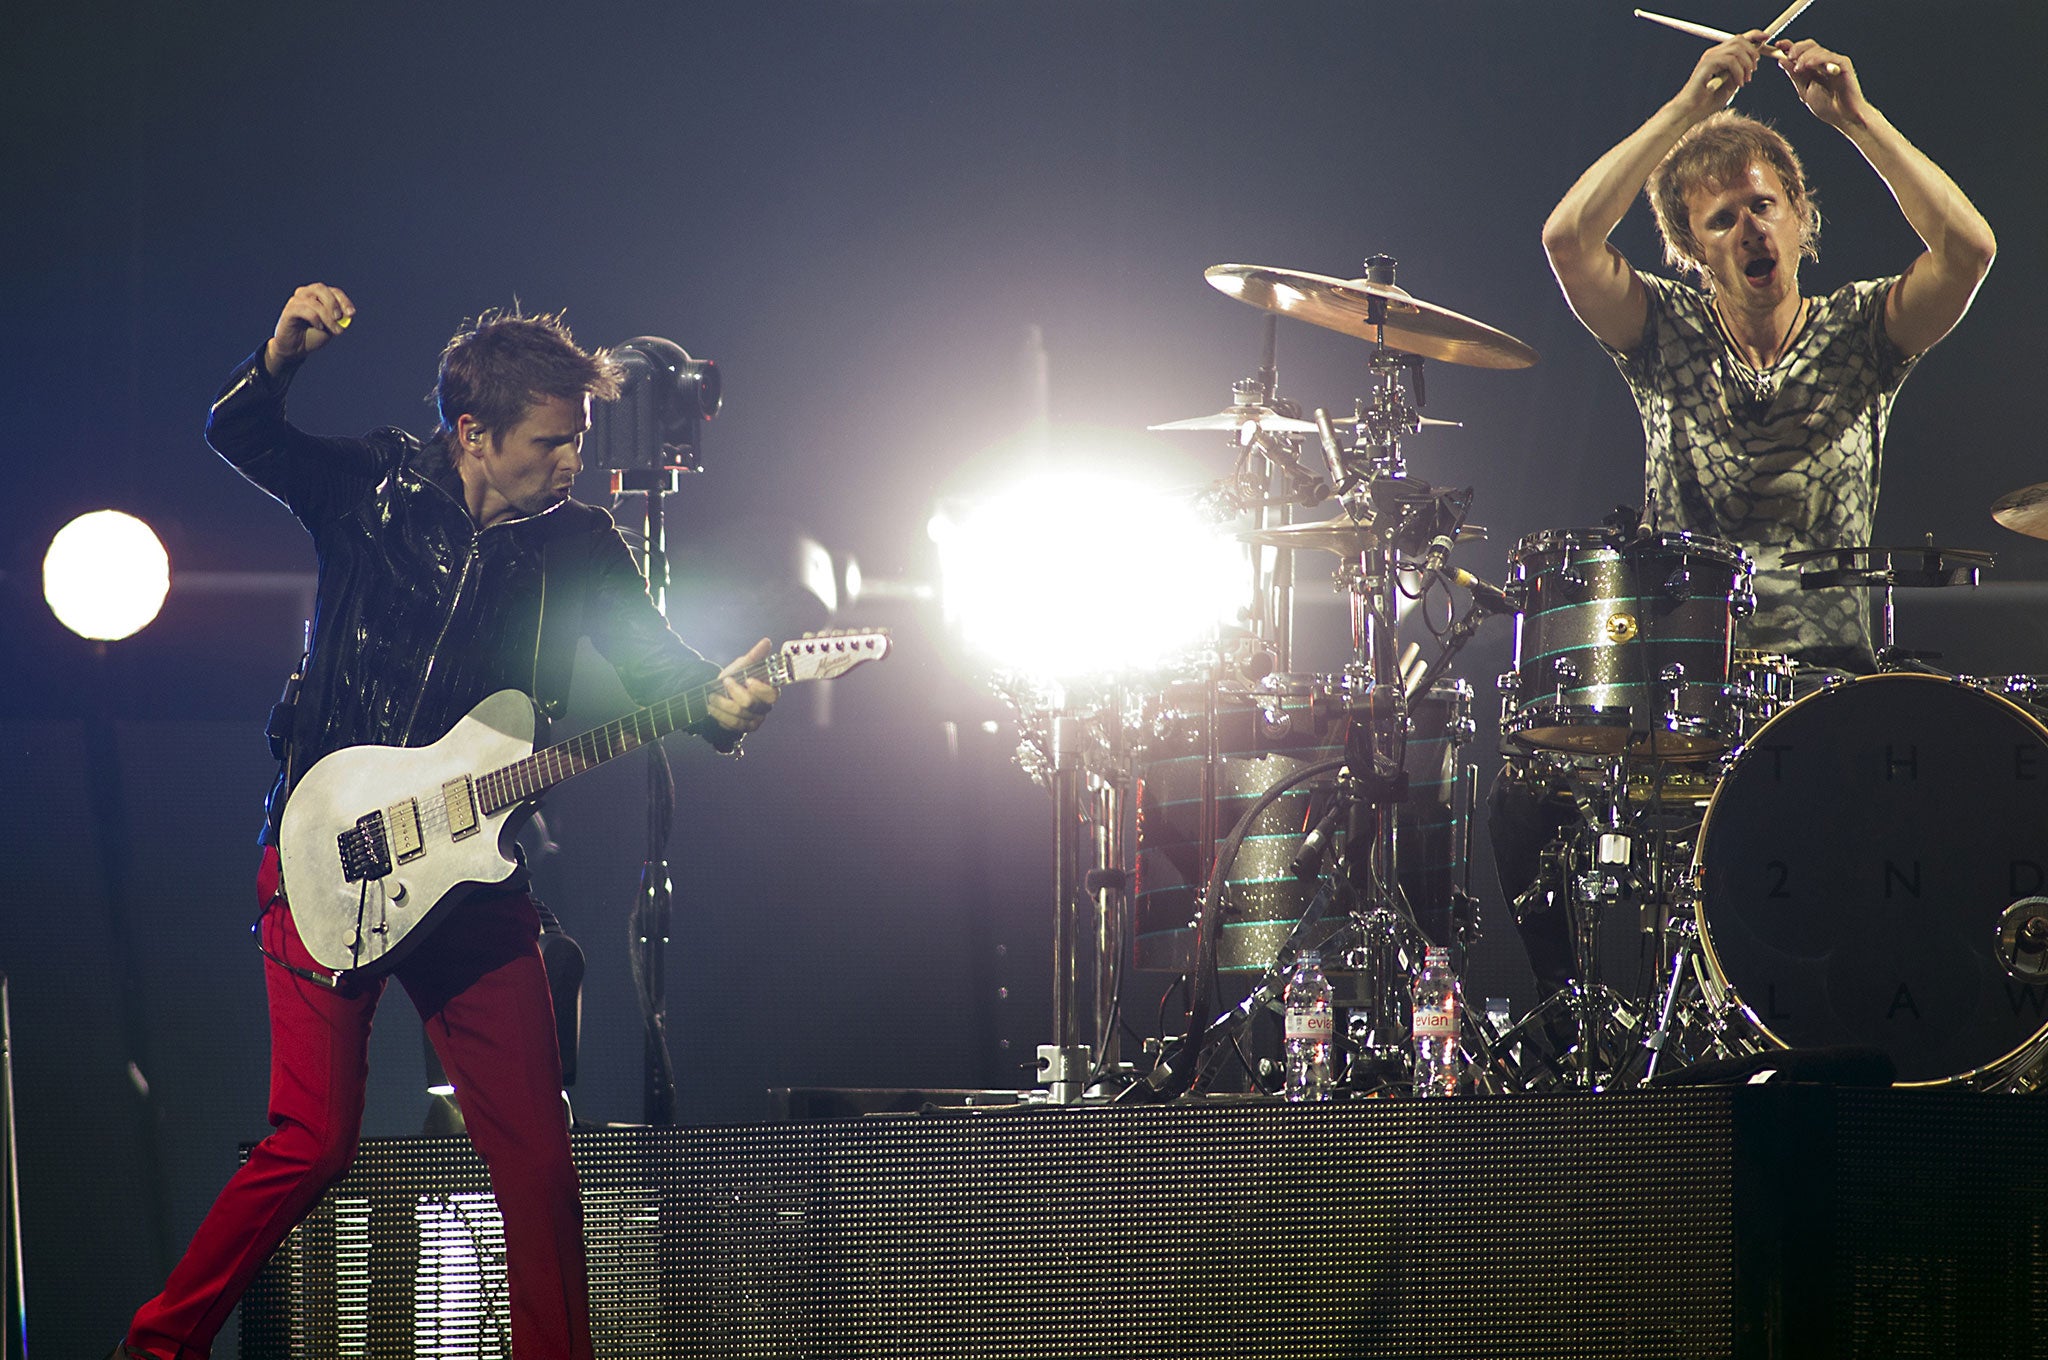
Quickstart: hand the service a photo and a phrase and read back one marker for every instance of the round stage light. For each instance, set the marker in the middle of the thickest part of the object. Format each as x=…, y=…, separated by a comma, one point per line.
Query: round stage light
x=1078, y=574
x=106, y=575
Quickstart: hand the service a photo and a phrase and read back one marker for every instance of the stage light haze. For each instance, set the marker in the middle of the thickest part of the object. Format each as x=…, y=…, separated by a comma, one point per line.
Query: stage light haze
x=1065, y=575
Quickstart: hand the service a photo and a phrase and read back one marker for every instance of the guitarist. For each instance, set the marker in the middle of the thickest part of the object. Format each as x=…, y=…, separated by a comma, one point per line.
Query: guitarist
x=448, y=570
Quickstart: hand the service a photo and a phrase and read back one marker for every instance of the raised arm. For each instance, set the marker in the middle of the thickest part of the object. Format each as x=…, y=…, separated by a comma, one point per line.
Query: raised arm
x=246, y=424
x=1939, y=286
x=1603, y=290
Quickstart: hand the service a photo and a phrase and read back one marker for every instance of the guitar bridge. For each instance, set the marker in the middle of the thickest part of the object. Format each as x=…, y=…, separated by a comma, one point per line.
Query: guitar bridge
x=364, y=850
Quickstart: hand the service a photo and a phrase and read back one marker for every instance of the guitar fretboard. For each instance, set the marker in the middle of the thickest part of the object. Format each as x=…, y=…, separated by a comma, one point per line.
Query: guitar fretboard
x=541, y=771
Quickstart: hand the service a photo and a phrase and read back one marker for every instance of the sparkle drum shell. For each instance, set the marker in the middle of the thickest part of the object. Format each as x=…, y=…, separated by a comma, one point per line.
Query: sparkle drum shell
x=1262, y=739
x=1624, y=644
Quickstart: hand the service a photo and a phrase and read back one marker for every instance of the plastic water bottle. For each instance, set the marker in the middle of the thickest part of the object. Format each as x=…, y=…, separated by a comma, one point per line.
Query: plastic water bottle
x=1311, y=1030
x=1435, y=1016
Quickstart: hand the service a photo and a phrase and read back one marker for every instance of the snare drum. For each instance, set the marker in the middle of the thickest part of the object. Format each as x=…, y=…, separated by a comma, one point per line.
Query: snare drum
x=1854, y=869
x=1624, y=644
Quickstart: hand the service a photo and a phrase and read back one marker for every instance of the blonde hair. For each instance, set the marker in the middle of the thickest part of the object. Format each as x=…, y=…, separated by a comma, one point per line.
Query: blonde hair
x=1717, y=152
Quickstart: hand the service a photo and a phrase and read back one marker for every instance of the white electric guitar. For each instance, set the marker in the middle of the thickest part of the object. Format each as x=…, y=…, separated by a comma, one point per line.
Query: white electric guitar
x=378, y=843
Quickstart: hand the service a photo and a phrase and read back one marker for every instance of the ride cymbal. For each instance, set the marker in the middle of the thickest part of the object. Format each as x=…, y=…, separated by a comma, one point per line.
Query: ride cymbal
x=1411, y=326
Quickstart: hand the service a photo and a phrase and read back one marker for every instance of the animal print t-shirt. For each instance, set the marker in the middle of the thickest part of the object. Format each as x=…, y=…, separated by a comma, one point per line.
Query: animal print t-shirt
x=1776, y=461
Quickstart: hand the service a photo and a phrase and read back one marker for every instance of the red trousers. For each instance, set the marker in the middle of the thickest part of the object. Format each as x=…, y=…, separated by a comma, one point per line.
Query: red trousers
x=479, y=986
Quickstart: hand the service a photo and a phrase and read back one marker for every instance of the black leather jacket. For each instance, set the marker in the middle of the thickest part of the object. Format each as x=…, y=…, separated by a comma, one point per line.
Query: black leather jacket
x=420, y=614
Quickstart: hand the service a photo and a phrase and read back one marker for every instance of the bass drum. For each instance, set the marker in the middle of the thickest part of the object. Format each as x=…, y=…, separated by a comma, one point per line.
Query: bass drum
x=1855, y=865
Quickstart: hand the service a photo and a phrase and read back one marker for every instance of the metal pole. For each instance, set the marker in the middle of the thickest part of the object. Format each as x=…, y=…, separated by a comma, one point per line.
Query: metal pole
x=651, y=939
x=13, y=1304
x=1064, y=1062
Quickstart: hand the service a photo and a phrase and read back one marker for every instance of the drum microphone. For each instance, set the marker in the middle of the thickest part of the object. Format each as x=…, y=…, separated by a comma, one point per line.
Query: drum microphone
x=1439, y=554
x=1333, y=454
x=1489, y=597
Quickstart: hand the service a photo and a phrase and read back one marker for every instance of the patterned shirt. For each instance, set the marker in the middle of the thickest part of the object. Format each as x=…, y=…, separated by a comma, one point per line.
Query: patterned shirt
x=1781, y=460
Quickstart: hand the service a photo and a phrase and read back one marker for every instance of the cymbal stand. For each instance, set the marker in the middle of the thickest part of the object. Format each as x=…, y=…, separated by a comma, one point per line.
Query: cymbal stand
x=1375, y=492
x=1076, y=746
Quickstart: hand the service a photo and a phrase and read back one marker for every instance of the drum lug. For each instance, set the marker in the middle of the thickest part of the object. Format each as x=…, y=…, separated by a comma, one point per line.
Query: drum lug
x=1274, y=719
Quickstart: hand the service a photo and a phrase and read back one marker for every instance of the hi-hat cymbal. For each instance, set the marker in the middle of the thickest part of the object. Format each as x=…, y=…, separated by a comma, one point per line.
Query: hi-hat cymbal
x=1342, y=536
x=1925, y=564
x=1412, y=325
x=1424, y=422
x=2024, y=511
x=1237, y=417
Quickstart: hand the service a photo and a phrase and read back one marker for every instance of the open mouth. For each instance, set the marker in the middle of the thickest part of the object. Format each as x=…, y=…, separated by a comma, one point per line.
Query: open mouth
x=1760, y=269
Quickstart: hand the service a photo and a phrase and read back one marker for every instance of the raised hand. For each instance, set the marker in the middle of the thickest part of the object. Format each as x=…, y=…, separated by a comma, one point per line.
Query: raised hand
x=1722, y=70
x=1826, y=82
x=316, y=314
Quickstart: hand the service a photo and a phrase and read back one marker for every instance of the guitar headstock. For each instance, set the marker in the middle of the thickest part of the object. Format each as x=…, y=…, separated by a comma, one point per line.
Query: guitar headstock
x=821, y=656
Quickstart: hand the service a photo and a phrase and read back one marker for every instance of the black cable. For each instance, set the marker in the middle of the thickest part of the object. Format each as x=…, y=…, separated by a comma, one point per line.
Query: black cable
x=1205, y=968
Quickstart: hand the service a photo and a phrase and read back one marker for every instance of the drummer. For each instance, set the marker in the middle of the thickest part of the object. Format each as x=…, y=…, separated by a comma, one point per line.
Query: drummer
x=1763, y=408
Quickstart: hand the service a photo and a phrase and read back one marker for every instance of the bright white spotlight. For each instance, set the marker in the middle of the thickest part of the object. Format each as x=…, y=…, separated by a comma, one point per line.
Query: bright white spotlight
x=1077, y=574
x=106, y=575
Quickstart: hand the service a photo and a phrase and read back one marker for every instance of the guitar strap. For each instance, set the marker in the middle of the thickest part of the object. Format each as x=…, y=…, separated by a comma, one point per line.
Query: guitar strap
x=278, y=731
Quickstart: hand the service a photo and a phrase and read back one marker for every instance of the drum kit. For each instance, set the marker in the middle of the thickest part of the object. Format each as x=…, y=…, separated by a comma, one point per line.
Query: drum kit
x=1858, y=870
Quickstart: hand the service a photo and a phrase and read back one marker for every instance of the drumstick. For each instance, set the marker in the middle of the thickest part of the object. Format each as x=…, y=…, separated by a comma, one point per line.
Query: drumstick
x=1792, y=11
x=1723, y=35
x=1685, y=26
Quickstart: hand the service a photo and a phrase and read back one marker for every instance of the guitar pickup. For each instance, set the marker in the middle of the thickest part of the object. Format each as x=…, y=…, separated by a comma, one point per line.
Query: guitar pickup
x=364, y=852
x=402, y=821
x=459, y=800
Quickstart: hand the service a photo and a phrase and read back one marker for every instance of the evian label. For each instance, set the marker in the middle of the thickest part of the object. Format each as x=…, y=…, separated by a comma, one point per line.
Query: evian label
x=1436, y=1022
x=1310, y=1025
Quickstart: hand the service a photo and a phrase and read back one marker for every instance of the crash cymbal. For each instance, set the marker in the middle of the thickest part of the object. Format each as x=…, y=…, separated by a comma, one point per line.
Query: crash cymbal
x=1237, y=417
x=1342, y=536
x=2024, y=511
x=1412, y=325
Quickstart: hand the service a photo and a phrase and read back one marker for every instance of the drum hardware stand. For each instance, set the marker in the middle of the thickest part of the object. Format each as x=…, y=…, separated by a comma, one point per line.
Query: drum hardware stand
x=1078, y=752
x=1658, y=1040
x=1589, y=868
x=1088, y=852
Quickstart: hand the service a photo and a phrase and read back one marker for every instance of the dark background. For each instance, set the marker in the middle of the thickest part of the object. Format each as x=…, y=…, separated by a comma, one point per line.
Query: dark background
x=860, y=210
